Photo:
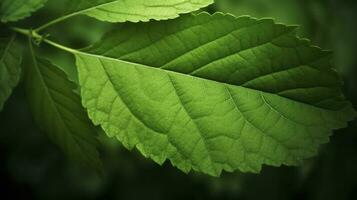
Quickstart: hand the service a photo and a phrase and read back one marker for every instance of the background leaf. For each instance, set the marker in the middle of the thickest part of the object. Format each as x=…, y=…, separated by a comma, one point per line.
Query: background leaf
x=134, y=10
x=10, y=66
x=213, y=93
x=13, y=10
x=58, y=111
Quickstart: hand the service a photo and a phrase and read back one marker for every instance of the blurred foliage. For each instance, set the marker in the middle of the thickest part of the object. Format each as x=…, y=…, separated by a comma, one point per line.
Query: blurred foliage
x=31, y=167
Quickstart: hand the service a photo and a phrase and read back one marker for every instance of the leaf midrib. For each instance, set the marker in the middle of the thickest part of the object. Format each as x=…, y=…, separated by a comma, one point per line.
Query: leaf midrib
x=101, y=5
x=226, y=86
x=87, y=9
x=12, y=39
x=181, y=74
x=53, y=103
x=166, y=70
x=44, y=85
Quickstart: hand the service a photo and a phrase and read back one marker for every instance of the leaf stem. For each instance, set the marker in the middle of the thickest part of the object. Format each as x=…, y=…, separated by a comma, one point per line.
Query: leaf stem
x=27, y=32
x=33, y=34
x=55, y=21
x=54, y=44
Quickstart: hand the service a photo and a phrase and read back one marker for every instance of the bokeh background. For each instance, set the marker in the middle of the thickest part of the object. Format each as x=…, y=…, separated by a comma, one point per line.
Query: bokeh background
x=32, y=167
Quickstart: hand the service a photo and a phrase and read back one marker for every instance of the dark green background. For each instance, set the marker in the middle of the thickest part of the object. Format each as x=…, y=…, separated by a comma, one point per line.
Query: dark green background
x=31, y=167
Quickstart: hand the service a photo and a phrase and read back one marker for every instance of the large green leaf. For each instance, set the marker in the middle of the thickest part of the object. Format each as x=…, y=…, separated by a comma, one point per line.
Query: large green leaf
x=213, y=92
x=10, y=67
x=58, y=111
x=13, y=10
x=134, y=10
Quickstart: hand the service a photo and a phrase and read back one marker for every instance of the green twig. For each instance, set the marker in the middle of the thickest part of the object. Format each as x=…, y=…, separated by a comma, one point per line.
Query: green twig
x=53, y=22
x=34, y=35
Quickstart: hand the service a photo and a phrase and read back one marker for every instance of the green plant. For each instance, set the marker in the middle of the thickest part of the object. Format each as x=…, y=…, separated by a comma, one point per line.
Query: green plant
x=209, y=92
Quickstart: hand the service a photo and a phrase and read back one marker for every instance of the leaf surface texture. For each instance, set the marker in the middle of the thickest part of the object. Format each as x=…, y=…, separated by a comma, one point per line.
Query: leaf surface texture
x=135, y=10
x=14, y=10
x=213, y=92
x=10, y=66
x=58, y=111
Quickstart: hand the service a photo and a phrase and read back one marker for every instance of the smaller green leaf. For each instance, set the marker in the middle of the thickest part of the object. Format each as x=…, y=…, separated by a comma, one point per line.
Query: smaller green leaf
x=144, y=10
x=10, y=67
x=13, y=10
x=132, y=10
x=58, y=111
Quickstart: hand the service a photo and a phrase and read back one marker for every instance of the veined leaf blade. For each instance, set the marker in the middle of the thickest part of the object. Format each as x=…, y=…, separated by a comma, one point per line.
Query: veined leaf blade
x=135, y=10
x=10, y=67
x=14, y=10
x=58, y=111
x=213, y=93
